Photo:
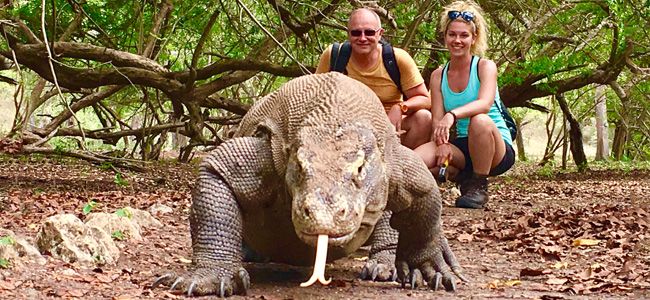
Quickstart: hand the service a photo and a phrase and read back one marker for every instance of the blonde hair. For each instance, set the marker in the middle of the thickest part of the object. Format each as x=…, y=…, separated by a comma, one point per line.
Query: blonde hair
x=478, y=23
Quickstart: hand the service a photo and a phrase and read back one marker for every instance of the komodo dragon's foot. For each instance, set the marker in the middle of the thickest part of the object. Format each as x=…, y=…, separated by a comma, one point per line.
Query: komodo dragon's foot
x=222, y=280
x=380, y=267
x=433, y=264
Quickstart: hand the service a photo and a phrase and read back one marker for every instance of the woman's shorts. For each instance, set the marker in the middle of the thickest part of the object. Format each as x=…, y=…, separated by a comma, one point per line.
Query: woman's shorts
x=503, y=166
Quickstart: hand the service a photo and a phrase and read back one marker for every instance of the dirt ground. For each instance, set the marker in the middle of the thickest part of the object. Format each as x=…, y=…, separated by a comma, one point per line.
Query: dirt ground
x=525, y=245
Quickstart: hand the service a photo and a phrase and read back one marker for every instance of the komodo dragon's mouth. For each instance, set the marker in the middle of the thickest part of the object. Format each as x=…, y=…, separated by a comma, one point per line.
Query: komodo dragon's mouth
x=332, y=240
x=321, y=241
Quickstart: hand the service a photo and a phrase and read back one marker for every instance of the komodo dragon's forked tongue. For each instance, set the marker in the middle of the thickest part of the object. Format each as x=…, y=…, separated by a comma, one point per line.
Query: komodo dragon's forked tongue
x=319, y=265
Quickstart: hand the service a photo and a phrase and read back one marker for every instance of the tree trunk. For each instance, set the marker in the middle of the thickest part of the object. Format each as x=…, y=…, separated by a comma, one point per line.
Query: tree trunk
x=520, y=141
x=565, y=142
x=620, y=137
x=602, y=136
x=575, y=135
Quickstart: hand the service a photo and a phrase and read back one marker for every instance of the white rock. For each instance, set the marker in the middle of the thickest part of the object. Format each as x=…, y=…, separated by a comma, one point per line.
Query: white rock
x=19, y=251
x=67, y=238
x=144, y=218
x=111, y=223
x=159, y=209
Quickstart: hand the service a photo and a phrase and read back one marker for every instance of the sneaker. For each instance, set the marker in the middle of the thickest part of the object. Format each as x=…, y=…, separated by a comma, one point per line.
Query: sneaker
x=474, y=192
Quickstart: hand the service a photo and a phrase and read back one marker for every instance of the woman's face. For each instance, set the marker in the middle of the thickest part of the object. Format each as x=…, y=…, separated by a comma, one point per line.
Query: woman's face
x=459, y=38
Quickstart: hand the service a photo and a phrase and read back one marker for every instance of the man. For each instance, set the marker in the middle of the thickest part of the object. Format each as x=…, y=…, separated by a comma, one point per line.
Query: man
x=410, y=115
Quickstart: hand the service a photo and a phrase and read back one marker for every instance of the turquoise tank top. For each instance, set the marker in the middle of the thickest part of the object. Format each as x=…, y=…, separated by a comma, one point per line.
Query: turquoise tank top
x=454, y=100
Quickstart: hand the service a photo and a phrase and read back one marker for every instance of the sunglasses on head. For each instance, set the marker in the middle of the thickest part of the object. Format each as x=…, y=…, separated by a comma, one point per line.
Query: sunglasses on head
x=467, y=16
x=367, y=32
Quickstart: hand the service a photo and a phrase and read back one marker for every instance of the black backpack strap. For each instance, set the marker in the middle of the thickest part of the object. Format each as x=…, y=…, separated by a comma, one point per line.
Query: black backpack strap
x=390, y=63
x=340, y=56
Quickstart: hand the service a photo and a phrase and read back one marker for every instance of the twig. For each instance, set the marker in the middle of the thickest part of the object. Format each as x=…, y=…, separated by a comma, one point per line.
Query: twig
x=56, y=82
x=248, y=12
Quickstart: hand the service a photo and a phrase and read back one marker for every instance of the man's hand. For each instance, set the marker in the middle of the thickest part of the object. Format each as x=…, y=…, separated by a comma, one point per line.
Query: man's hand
x=395, y=116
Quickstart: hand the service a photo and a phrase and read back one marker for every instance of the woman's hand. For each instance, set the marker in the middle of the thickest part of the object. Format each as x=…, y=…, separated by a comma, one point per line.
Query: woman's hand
x=443, y=154
x=441, y=130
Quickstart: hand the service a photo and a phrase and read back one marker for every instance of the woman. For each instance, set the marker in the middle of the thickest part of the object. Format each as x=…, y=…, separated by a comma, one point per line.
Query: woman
x=464, y=93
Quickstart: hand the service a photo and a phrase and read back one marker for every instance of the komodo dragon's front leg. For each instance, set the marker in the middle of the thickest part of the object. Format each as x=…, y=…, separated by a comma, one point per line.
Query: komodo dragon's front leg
x=422, y=249
x=383, y=244
x=239, y=173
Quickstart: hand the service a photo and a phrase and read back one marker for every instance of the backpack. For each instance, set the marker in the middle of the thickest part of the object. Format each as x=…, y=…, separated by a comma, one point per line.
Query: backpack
x=510, y=123
x=340, y=57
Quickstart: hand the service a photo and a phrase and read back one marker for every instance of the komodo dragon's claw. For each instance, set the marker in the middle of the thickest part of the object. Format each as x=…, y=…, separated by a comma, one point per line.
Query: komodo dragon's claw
x=439, y=267
x=217, y=280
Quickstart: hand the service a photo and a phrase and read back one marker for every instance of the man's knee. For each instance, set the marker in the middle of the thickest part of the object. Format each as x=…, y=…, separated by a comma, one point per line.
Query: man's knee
x=420, y=120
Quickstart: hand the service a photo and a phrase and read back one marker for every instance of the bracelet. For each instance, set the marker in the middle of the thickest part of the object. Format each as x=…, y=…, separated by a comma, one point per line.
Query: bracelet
x=454, y=115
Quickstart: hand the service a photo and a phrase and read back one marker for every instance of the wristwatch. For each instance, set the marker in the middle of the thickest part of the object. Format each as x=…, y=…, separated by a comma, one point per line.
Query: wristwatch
x=403, y=107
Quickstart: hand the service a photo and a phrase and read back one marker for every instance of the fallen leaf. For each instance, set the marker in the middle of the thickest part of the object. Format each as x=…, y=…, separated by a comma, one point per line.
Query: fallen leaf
x=494, y=284
x=585, y=242
x=365, y=258
x=531, y=272
x=185, y=260
x=465, y=238
x=585, y=274
x=104, y=278
x=563, y=265
x=7, y=285
x=75, y=293
x=124, y=297
x=557, y=281
x=512, y=283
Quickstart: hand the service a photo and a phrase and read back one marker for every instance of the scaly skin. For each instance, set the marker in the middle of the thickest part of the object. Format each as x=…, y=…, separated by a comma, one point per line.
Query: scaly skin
x=316, y=157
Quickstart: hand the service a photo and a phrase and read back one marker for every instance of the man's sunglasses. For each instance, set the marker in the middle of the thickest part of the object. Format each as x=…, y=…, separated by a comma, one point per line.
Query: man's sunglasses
x=467, y=16
x=367, y=32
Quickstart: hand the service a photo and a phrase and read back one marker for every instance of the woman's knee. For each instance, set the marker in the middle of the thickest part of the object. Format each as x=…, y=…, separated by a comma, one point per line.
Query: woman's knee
x=480, y=124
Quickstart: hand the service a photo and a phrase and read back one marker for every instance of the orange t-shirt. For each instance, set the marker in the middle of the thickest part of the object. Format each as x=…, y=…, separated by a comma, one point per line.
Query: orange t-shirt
x=377, y=77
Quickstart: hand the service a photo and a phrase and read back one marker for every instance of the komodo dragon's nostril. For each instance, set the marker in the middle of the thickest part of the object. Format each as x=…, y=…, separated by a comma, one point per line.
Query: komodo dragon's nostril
x=305, y=211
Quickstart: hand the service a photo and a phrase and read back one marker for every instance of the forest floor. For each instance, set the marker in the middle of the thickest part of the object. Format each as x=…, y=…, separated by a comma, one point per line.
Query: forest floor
x=524, y=245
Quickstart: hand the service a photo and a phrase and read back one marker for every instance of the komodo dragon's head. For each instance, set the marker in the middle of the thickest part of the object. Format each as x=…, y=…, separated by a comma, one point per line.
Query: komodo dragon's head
x=331, y=175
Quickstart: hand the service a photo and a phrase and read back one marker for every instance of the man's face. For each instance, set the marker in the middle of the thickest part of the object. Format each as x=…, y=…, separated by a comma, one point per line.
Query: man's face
x=364, y=32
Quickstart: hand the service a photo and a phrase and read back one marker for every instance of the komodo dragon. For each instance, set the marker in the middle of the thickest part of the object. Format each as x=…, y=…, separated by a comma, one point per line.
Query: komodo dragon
x=316, y=157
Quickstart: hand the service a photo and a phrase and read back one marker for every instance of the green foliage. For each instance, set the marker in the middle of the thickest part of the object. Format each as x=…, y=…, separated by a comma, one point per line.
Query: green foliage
x=3, y=263
x=117, y=235
x=98, y=258
x=123, y=212
x=106, y=165
x=89, y=206
x=7, y=240
x=119, y=180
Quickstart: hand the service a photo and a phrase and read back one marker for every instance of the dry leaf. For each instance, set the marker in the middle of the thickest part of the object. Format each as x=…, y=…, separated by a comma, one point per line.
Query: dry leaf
x=512, y=283
x=104, y=278
x=563, y=265
x=585, y=274
x=4, y=285
x=585, y=242
x=365, y=258
x=185, y=260
x=465, y=238
x=556, y=281
x=531, y=272
x=494, y=284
